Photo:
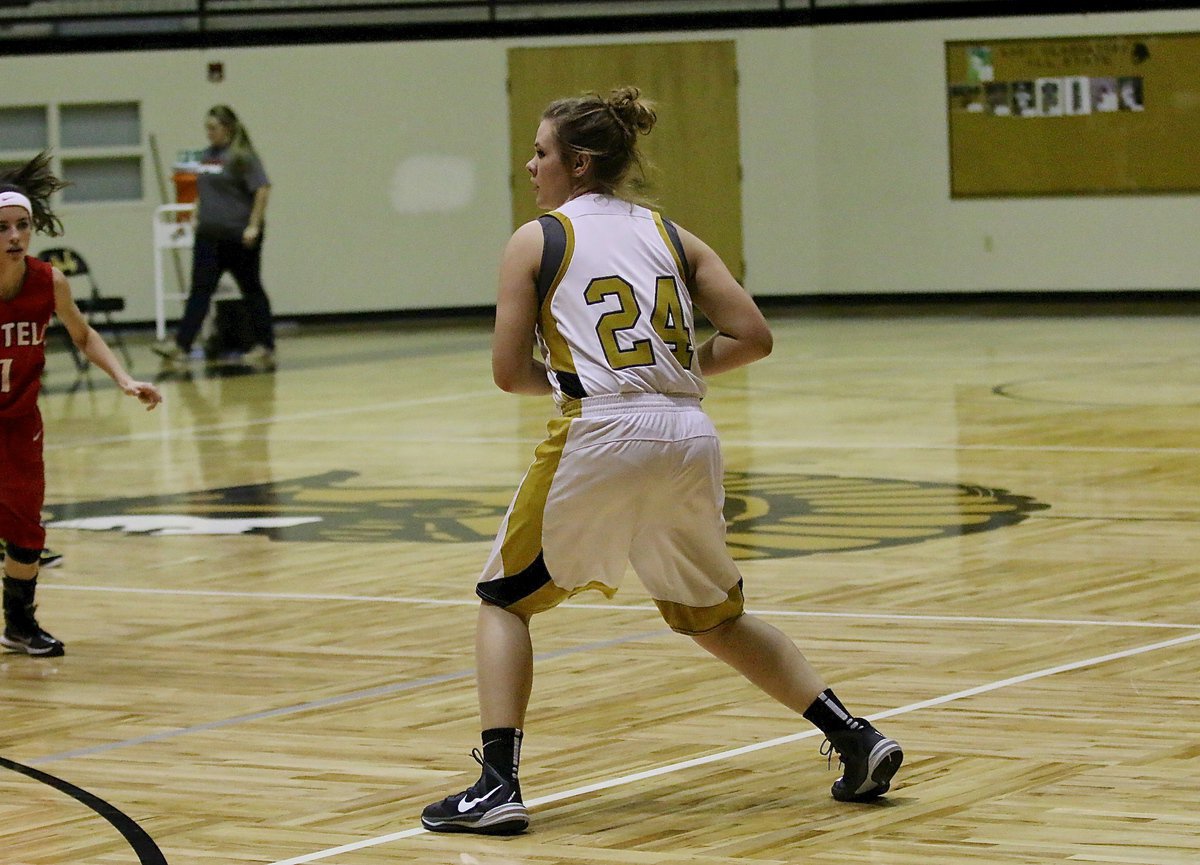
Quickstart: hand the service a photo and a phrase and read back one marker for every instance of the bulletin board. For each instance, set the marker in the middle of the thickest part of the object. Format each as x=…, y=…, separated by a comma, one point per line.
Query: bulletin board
x=1074, y=115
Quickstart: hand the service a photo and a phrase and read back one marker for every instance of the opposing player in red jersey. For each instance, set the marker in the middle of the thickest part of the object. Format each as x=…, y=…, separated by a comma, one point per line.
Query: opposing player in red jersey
x=31, y=291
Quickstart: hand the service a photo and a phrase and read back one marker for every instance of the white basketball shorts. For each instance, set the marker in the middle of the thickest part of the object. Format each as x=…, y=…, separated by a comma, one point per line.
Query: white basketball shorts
x=631, y=479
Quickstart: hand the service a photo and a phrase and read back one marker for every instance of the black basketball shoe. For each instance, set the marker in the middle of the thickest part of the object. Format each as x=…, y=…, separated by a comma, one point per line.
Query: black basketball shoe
x=869, y=760
x=492, y=806
x=49, y=558
x=23, y=634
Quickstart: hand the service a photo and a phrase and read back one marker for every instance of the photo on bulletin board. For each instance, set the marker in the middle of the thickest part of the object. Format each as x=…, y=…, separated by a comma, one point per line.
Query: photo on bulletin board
x=1089, y=115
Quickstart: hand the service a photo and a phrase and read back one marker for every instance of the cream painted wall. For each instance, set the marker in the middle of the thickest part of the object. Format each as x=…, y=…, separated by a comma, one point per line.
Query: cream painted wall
x=388, y=162
x=355, y=139
x=781, y=190
x=887, y=223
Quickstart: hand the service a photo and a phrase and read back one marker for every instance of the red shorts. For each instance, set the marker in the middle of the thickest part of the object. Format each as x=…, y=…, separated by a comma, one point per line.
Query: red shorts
x=22, y=481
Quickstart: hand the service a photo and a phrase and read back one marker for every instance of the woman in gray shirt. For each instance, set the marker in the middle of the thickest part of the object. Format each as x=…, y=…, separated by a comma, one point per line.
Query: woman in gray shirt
x=232, y=189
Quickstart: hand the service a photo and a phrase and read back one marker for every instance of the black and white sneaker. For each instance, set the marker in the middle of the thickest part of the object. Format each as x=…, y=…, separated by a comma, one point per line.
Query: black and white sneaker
x=31, y=640
x=169, y=351
x=869, y=761
x=492, y=806
x=49, y=559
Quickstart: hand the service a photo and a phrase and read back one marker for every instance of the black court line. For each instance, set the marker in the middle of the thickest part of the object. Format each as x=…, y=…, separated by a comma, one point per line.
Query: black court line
x=141, y=843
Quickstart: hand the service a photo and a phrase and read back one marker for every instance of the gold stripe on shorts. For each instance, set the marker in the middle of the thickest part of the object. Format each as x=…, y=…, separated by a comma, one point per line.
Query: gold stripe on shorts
x=550, y=596
x=698, y=620
x=523, y=536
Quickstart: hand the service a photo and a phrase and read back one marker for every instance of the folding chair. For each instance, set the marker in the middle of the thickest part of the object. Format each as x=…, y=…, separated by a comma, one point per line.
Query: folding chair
x=93, y=305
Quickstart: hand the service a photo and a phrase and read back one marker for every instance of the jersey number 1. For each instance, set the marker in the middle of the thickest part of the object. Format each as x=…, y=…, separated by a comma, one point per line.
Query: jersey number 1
x=5, y=380
x=667, y=320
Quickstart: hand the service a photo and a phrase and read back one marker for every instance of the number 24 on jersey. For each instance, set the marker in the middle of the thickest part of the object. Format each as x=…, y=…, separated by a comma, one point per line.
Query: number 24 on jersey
x=667, y=320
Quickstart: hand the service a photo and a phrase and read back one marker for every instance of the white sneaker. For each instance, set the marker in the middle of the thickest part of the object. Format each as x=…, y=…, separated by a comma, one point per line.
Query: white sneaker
x=168, y=350
x=260, y=355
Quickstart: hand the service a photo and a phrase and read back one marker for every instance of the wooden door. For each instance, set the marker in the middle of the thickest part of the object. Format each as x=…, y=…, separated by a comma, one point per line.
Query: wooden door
x=695, y=173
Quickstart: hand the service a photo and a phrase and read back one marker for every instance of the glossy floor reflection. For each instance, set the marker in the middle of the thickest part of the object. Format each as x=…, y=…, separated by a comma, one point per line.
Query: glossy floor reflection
x=982, y=529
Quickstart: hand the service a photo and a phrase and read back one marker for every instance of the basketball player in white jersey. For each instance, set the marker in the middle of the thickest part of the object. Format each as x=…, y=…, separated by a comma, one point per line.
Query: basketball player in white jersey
x=631, y=472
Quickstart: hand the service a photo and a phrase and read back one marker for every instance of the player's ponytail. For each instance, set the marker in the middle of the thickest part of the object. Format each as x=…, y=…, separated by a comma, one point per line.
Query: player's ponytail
x=36, y=181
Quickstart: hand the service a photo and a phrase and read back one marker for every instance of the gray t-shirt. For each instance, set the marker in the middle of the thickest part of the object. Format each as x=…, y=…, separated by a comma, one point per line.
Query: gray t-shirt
x=226, y=192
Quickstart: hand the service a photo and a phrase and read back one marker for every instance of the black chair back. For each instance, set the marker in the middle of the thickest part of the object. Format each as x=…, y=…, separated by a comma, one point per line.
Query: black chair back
x=70, y=262
x=94, y=305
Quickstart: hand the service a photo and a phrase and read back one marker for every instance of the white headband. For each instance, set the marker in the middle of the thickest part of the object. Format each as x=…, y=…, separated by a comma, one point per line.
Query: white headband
x=15, y=199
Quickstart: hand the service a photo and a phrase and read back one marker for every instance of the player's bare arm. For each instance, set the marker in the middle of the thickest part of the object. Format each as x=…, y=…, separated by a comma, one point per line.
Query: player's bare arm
x=93, y=346
x=743, y=335
x=514, y=367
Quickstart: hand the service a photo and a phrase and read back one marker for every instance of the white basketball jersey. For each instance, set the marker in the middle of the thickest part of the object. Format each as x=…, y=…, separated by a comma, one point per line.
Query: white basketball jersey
x=616, y=316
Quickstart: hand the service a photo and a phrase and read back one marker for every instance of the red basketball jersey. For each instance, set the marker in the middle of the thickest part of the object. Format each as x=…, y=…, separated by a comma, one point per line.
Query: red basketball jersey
x=23, y=323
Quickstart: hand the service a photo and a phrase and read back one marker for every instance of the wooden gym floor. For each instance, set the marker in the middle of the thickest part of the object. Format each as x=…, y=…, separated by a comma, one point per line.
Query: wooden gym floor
x=983, y=529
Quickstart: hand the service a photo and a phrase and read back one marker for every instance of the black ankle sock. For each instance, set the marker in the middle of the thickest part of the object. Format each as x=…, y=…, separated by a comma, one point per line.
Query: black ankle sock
x=502, y=751
x=829, y=715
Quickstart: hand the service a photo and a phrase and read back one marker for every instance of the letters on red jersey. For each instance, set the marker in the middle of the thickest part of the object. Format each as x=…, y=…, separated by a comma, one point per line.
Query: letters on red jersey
x=23, y=323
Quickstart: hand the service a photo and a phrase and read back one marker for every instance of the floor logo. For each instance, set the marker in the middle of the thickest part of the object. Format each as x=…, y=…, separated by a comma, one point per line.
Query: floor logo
x=768, y=516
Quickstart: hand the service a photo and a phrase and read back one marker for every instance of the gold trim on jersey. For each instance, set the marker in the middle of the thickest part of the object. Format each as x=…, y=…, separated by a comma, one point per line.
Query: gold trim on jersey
x=559, y=352
x=698, y=620
x=666, y=238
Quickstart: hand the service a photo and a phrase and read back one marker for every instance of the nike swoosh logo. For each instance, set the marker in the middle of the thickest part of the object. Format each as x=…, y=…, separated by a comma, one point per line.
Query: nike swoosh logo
x=38, y=436
x=466, y=805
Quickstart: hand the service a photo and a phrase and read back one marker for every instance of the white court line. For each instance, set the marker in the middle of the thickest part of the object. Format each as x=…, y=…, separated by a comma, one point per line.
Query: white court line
x=760, y=746
x=727, y=443
x=843, y=445
x=474, y=602
x=188, y=432
x=791, y=444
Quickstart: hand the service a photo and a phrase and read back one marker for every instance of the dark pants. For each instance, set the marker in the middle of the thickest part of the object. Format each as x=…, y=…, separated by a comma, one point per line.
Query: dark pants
x=212, y=257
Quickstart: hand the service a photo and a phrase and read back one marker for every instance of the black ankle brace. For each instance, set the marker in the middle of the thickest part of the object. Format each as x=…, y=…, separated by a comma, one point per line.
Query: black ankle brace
x=19, y=590
x=502, y=751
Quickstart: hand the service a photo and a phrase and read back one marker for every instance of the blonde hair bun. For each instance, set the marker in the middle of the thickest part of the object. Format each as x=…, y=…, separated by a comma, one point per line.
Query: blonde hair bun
x=635, y=113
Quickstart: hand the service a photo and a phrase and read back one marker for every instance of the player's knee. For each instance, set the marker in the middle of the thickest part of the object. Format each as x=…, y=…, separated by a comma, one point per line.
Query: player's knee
x=21, y=555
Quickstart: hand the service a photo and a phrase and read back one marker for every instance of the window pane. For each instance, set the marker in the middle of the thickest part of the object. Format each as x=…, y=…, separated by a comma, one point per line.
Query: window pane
x=116, y=179
x=114, y=125
x=23, y=128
